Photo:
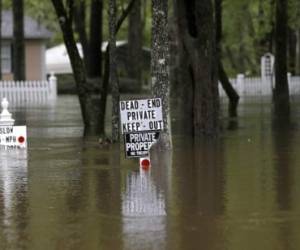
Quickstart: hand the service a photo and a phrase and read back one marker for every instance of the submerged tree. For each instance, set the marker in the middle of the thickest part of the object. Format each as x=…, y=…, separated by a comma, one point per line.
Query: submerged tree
x=0, y=39
x=91, y=45
x=91, y=42
x=113, y=74
x=95, y=42
x=281, y=91
x=197, y=35
x=88, y=94
x=135, y=42
x=229, y=90
x=18, y=40
x=92, y=97
x=160, y=63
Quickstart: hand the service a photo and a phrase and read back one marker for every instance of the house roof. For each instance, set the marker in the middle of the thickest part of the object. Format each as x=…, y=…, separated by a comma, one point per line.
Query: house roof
x=32, y=28
x=58, y=61
x=57, y=58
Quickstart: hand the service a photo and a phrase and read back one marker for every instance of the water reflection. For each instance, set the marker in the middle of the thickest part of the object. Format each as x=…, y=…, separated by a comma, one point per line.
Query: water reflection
x=141, y=197
x=144, y=205
x=144, y=213
x=75, y=196
x=198, y=198
x=283, y=147
x=13, y=198
x=232, y=124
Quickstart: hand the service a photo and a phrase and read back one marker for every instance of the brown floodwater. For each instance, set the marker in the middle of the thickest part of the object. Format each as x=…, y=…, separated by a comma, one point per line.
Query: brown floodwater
x=240, y=191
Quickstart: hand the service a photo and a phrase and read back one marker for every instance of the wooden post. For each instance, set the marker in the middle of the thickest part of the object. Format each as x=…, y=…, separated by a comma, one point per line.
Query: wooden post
x=53, y=86
x=240, y=84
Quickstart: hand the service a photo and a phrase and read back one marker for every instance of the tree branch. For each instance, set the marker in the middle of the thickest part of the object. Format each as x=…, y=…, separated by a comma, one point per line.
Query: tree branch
x=120, y=21
x=70, y=10
x=106, y=65
x=124, y=14
x=80, y=21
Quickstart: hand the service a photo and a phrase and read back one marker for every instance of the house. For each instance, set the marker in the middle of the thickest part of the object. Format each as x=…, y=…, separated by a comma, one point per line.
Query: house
x=58, y=62
x=57, y=58
x=35, y=36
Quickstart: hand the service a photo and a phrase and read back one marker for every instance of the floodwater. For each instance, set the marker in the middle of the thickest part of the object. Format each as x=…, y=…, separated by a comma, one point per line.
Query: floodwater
x=238, y=192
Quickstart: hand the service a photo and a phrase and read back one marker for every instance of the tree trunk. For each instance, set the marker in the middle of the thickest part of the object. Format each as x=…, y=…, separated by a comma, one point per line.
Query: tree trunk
x=91, y=46
x=272, y=23
x=298, y=53
x=106, y=75
x=89, y=97
x=261, y=43
x=94, y=69
x=281, y=91
x=231, y=58
x=76, y=62
x=229, y=90
x=292, y=46
x=181, y=87
x=159, y=65
x=80, y=23
x=18, y=41
x=0, y=39
x=113, y=74
x=196, y=26
x=135, y=43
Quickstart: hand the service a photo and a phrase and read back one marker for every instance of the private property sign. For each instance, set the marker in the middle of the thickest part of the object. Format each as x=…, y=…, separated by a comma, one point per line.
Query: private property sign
x=141, y=115
x=12, y=137
x=141, y=121
x=139, y=144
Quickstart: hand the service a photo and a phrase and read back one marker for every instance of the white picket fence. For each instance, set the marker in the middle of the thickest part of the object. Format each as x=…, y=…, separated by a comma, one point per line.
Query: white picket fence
x=25, y=93
x=257, y=86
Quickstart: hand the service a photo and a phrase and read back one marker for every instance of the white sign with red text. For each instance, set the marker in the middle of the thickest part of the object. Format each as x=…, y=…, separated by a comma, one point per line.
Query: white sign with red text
x=13, y=137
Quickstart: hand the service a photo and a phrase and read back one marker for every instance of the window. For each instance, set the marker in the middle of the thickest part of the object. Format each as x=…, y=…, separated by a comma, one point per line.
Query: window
x=6, y=58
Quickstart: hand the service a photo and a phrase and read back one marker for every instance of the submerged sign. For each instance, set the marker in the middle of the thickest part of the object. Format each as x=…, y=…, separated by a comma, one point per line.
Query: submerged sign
x=12, y=137
x=141, y=115
x=139, y=144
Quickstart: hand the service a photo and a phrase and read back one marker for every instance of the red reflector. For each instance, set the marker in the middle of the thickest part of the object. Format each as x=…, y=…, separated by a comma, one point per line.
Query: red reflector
x=145, y=164
x=21, y=139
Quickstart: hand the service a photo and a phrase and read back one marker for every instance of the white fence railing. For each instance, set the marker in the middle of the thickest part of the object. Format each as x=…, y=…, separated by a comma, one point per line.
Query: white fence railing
x=256, y=86
x=29, y=92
